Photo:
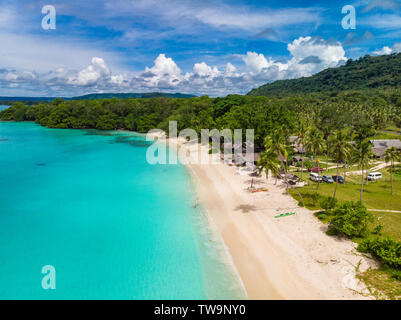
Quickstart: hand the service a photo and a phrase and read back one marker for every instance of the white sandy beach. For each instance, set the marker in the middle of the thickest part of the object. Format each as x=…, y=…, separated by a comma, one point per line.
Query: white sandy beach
x=277, y=258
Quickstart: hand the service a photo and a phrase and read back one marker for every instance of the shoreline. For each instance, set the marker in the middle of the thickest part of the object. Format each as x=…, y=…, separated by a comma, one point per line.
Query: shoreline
x=276, y=259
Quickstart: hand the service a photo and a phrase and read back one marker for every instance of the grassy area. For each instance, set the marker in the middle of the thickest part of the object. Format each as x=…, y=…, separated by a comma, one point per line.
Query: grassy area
x=386, y=135
x=391, y=222
x=380, y=284
x=379, y=281
x=392, y=128
x=376, y=195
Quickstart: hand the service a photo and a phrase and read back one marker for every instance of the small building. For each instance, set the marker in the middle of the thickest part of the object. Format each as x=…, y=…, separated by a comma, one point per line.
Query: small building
x=237, y=152
x=251, y=158
x=298, y=147
x=379, y=147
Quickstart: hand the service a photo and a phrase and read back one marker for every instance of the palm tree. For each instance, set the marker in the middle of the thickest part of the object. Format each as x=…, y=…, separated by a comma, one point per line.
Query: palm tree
x=327, y=134
x=391, y=155
x=314, y=144
x=328, y=148
x=268, y=161
x=302, y=131
x=340, y=150
x=363, y=153
x=276, y=144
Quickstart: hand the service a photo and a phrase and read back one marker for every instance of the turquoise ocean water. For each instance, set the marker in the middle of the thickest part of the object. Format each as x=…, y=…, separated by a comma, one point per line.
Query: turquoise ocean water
x=113, y=226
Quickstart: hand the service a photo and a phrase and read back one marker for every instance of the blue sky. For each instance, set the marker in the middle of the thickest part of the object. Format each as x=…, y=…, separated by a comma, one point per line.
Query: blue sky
x=200, y=47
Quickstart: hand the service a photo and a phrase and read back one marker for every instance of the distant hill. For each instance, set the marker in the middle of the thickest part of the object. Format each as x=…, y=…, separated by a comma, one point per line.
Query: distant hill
x=8, y=100
x=365, y=73
x=133, y=95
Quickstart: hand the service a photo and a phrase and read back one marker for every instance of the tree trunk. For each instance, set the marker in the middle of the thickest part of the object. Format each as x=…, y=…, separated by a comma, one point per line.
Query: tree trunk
x=361, y=185
x=285, y=174
x=391, y=177
x=302, y=199
x=345, y=171
x=302, y=169
x=335, y=188
x=318, y=172
x=327, y=157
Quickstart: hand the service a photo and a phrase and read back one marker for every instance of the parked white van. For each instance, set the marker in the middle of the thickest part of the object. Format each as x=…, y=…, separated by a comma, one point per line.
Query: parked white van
x=315, y=177
x=374, y=176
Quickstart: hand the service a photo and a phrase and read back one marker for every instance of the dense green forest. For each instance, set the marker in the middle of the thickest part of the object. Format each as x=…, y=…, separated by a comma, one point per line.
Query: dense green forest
x=365, y=73
x=144, y=114
x=352, y=109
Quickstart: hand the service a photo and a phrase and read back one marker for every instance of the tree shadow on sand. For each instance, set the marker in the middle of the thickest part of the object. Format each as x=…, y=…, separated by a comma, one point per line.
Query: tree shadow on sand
x=245, y=208
x=255, y=182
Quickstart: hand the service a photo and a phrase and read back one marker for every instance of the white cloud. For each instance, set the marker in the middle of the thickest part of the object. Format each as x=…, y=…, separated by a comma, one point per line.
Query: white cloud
x=92, y=74
x=330, y=53
x=164, y=66
x=255, y=63
x=230, y=69
x=7, y=17
x=25, y=51
x=307, y=56
x=243, y=18
x=397, y=47
x=387, y=50
x=165, y=73
x=13, y=76
x=382, y=21
x=383, y=51
x=383, y=4
x=120, y=80
x=203, y=70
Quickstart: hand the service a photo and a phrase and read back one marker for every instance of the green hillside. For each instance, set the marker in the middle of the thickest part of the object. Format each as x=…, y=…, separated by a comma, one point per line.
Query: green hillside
x=365, y=73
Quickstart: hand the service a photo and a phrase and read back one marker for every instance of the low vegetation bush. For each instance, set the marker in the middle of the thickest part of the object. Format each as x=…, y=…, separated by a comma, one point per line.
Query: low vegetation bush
x=387, y=250
x=396, y=274
x=309, y=164
x=378, y=229
x=351, y=219
x=311, y=199
x=328, y=203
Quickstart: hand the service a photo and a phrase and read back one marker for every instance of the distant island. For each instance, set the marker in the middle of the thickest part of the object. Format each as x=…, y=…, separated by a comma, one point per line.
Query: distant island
x=146, y=95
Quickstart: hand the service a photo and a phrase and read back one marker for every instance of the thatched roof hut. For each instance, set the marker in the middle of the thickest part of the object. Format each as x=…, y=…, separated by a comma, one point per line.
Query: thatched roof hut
x=298, y=147
x=379, y=147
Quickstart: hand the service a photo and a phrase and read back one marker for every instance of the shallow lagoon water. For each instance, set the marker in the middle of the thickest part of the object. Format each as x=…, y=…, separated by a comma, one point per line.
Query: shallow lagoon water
x=112, y=225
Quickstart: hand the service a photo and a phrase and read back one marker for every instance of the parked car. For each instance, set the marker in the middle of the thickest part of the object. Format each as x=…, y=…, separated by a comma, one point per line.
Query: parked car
x=374, y=176
x=315, y=177
x=316, y=169
x=340, y=179
x=328, y=179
